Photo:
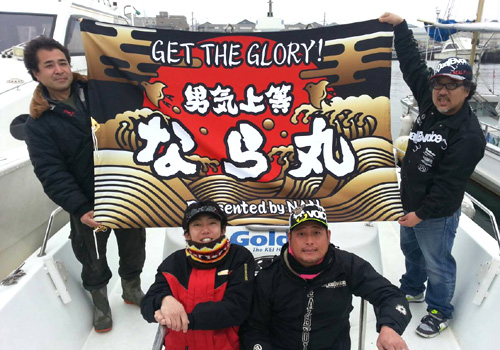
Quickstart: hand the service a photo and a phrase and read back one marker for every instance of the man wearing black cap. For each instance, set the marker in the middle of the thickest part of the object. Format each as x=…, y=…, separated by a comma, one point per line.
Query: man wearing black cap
x=202, y=293
x=445, y=145
x=303, y=299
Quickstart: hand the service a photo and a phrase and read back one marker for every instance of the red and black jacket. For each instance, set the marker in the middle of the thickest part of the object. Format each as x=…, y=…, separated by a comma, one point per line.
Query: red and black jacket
x=217, y=300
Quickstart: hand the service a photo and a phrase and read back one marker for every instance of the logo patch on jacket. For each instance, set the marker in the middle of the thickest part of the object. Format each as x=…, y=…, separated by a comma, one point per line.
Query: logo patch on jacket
x=335, y=284
x=401, y=309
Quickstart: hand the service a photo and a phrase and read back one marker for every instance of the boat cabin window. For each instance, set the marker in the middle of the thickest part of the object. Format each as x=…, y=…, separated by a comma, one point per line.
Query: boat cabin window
x=73, y=40
x=18, y=28
x=451, y=47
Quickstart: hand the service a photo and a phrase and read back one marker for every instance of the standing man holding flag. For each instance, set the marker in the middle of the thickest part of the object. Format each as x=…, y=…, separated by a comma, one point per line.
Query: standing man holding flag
x=445, y=145
x=59, y=139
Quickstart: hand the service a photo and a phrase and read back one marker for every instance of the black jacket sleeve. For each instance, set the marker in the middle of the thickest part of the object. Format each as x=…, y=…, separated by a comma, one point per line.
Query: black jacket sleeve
x=416, y=74
x=256, y=329
x=52, y=170
x=154, y=296
x=235, y=305
x=391, y=307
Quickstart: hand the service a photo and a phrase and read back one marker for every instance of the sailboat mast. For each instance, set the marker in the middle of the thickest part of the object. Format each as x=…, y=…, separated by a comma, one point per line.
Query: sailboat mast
x=475, y=37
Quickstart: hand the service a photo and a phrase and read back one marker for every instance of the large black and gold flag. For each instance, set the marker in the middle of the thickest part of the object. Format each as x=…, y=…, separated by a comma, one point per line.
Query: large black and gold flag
x=259, y=122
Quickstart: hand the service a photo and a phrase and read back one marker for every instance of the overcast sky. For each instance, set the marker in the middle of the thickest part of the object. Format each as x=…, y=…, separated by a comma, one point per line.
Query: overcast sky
x=307, y=11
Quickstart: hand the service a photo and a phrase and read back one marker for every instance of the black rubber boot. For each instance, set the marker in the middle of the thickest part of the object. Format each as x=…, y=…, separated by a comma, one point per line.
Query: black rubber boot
x=102, y=312
x=132, y=293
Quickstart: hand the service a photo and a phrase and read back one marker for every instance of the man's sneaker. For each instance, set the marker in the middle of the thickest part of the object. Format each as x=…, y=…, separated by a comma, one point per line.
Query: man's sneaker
x=432, y=324
x=415, y=298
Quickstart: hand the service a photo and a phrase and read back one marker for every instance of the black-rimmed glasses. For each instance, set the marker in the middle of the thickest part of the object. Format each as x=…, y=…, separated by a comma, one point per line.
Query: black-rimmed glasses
x=449, y=86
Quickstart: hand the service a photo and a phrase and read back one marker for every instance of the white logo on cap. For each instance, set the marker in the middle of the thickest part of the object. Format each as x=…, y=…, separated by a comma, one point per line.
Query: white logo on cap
x=451, y=62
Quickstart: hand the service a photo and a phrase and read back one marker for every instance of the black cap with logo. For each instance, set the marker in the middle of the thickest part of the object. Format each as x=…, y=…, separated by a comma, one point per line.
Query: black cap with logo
x=455, y=68
x=203, y=207
x=308, y=212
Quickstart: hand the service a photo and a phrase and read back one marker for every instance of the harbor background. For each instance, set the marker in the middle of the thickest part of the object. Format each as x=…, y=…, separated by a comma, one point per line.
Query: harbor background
x=488, y=82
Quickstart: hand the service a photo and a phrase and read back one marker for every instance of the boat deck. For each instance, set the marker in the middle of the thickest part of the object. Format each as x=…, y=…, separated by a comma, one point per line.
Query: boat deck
x=60, y=310
x=130, y=331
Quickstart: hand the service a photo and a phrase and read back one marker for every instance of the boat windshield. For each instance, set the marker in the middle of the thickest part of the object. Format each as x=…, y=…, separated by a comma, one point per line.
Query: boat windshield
x=17, y=28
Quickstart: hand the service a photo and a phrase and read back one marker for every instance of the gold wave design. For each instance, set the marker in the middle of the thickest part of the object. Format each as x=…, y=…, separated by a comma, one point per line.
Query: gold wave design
x=122, y=185
x=205, y=162
x=306, y=188
x=354, y=117
x=140, y=194
x=226, y=189
x=118, y=133
x=379, y=202
x=128, y=195
x=366, y=197
x=135, y=189
x=285, y=155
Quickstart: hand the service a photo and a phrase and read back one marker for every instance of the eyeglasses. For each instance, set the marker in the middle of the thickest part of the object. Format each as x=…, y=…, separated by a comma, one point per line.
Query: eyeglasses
x=204, y=209
x=449, y=86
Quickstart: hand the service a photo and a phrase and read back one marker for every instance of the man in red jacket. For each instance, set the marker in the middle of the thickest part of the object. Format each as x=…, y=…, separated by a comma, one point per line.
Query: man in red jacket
x=202, y=293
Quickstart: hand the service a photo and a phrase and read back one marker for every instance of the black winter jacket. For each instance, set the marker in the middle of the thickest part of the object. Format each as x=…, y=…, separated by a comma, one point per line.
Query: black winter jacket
x=60, y=146
x=289, y=312
x=441, y=154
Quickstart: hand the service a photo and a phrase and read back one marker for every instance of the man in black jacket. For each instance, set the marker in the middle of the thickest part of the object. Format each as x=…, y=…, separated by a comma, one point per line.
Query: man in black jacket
x=445, y=145
x=59, y=139
x=303, y=299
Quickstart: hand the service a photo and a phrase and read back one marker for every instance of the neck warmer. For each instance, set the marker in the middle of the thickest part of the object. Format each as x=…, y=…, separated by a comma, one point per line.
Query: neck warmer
x=303, y=271
x=207, y=255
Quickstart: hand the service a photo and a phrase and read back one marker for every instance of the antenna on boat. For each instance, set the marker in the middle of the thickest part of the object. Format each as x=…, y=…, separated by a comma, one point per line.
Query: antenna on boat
x=475, y=36
x=270, y=13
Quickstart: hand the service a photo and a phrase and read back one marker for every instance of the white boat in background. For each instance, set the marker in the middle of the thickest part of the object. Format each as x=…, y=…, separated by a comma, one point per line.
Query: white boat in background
x=483, y=27
x=24, y=208
x=457, y=46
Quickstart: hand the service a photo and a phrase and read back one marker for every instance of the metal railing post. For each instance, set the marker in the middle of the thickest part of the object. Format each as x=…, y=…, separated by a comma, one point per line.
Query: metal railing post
x=362, y=324
x=47, y=231
x=491, y=215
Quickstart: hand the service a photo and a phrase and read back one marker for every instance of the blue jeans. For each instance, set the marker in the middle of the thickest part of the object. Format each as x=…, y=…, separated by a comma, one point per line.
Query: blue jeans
x=427, y=249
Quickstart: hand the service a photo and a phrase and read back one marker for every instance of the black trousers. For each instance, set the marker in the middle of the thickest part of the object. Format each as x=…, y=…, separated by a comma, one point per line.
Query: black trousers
x=95, y=272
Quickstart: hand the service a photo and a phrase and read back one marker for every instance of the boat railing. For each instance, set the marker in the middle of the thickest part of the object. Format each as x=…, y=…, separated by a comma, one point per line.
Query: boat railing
x=47, y=231
x=490, y=214
x=492, y=134
x=400, y=153
x=485, y=105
